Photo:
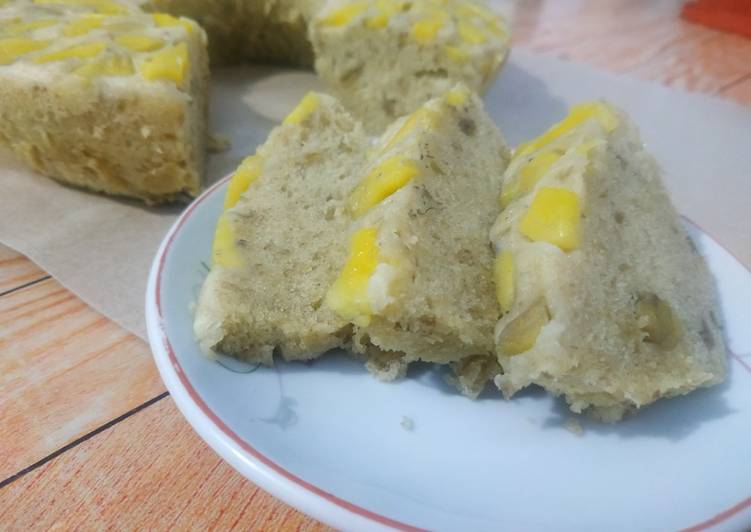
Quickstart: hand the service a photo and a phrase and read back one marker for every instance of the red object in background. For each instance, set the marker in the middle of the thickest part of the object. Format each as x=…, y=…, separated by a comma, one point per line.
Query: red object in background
x=727, y=15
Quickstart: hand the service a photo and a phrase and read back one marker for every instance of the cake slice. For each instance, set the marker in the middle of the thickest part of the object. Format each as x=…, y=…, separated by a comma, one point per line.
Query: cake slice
x=418, y=279
x=605, y=299
x=329, y=241
x=278, y=246
x=385, y=58
x=98, y=95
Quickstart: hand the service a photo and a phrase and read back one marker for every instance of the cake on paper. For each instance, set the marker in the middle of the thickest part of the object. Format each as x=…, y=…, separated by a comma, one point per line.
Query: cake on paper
x=99, y=95
x=381, y=58
x=111, y=95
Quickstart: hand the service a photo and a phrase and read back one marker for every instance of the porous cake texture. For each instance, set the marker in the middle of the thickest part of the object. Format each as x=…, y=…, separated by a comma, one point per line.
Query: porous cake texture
x=418, y=280
x=382, y=248
x=385, y=58
x=381, y=58
x=280, y=242
x=99, y=95
x=605, y=299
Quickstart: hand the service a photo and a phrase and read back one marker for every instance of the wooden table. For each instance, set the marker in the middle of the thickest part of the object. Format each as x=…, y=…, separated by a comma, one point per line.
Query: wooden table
x=91, y=439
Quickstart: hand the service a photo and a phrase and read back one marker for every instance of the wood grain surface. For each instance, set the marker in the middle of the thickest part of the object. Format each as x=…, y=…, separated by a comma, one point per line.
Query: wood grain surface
x=64, y=370
x=90, y=439
x=16, y=271
x=149, y=471
x=642, y=38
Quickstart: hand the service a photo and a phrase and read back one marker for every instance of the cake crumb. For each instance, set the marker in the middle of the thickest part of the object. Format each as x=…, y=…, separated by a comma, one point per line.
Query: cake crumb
x=407, y=423
x=218, y=143
x=573, y=426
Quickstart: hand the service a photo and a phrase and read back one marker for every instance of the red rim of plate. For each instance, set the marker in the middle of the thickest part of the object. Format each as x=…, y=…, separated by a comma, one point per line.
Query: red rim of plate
x=329, y=497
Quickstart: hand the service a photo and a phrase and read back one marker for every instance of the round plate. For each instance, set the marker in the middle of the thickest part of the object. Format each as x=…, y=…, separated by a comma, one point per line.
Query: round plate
x=356, y=453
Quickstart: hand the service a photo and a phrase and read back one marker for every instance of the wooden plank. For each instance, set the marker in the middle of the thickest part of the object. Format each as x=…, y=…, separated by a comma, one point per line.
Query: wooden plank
x=64, y=370
x=149, y=471
x=705, y=64
x=16, y=270
x=644, y=39
x=740, y=91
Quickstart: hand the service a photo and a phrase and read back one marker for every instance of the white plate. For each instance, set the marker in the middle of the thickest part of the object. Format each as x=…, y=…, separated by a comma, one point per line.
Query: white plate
x=332, y=441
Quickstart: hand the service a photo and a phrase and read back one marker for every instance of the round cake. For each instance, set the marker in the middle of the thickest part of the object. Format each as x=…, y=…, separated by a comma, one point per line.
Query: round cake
x=381, y=58
x=110, y=95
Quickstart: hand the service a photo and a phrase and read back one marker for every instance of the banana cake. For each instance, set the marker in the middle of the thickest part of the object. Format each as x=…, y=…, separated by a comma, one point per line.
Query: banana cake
x=418, y=279
x=386, y=253
x=99, y=95
x=605, y=300
x=278, y=245
x=381, y=58
x=111, y=95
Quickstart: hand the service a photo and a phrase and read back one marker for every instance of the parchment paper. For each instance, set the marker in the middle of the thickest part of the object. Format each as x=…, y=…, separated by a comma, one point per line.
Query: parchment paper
x=101, y=248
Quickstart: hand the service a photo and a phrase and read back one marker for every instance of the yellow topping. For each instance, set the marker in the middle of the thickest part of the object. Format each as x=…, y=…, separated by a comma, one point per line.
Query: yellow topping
x=471, y=34
x=81, y=51
x=385, y=179
x=554, y=217
x=657, y=321
x=384, y=10
x=457, y=53
x=14, y=47
x=528, y=176
x=304, y=109
x=577, y=116
x=83, y=24
x=164, y=20
x=377, y=21
x=139, y=42
x=106, y=7
x=470, y=9
x=503, y=274
x=248, y=171
x=422, y=115
x=497, y=29
x=521, y=334
x=424, y=31
x=457, y=96
x=167, y=64
x=348, y=296
x=18, y=28
x=345, y=15
x=224, y=252
x=112, y=65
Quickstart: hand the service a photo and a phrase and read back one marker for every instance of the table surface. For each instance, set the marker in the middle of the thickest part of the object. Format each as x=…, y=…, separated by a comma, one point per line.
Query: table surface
x=92, y=439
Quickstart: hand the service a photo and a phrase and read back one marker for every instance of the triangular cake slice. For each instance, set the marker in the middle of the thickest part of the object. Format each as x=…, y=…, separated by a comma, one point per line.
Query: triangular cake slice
x=418, y=280
x=100, y=95
x=330, y=241
x=280, y=242
x=605, y=299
